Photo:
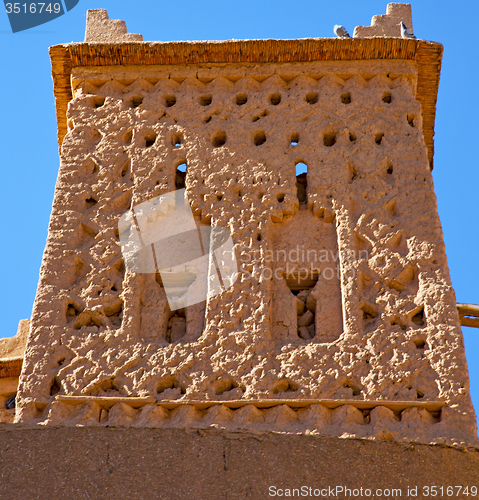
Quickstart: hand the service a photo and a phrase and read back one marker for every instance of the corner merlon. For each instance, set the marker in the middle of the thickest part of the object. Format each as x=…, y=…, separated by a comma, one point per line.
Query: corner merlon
x=99, y=28
x=388, y=24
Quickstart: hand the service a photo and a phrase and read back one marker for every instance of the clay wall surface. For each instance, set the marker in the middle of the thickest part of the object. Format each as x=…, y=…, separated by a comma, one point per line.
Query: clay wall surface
x=120, y=463
x=12, y=350
x=383, y=327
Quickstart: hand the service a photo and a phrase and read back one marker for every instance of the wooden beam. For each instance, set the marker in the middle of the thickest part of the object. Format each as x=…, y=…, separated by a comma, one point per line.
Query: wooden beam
x=298, y=403
x=468, y=314
x=107, y=401
x=137, y=402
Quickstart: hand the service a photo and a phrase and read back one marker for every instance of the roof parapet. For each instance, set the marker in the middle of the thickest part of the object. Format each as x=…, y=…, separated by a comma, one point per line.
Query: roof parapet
x=387, y=24
x=100, y=28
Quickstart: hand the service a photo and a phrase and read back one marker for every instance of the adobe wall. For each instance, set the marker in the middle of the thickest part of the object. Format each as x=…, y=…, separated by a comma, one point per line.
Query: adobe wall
x=12, y=350
x=385, y=322
x=144, y=463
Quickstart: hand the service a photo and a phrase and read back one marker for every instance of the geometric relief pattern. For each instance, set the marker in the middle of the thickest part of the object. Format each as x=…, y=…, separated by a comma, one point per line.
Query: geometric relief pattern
x=239, y=132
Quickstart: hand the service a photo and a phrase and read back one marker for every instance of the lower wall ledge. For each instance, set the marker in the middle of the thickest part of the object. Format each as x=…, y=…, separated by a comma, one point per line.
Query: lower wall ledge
x=100, y=462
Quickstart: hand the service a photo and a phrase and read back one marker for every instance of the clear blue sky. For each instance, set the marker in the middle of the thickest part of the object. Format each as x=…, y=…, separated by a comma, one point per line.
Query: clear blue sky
x=29, y=160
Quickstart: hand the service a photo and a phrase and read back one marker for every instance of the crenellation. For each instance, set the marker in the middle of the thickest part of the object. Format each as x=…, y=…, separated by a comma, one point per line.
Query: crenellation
x=387, y=25
x=99, y=28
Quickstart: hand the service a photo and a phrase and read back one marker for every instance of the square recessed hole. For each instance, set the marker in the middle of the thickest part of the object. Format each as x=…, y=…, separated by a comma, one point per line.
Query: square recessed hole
x=98, y=101
x=259, y=138
x=136, y=101
x=275, y=99
x=206, y=100
x=170, y=100
x=312, y=98
x=90, y=202
x=420, y=343
x=176, y=140
x=419, y=318
x=241, y=99
x=378, y=138
x=346, y=98
x=219, y=139
x=387, y=97
x=150, y=140
x=329, y=139
x=369, y=312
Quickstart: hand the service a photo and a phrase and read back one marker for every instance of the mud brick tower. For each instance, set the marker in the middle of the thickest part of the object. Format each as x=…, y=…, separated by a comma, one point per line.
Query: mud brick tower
x=342, y=320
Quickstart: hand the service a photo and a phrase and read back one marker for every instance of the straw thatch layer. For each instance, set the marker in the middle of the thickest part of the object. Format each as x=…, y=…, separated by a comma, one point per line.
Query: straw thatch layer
x=10, y=367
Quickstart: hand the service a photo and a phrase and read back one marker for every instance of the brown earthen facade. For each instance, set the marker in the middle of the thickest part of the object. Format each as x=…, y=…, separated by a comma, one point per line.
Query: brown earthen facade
x=343, y=319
